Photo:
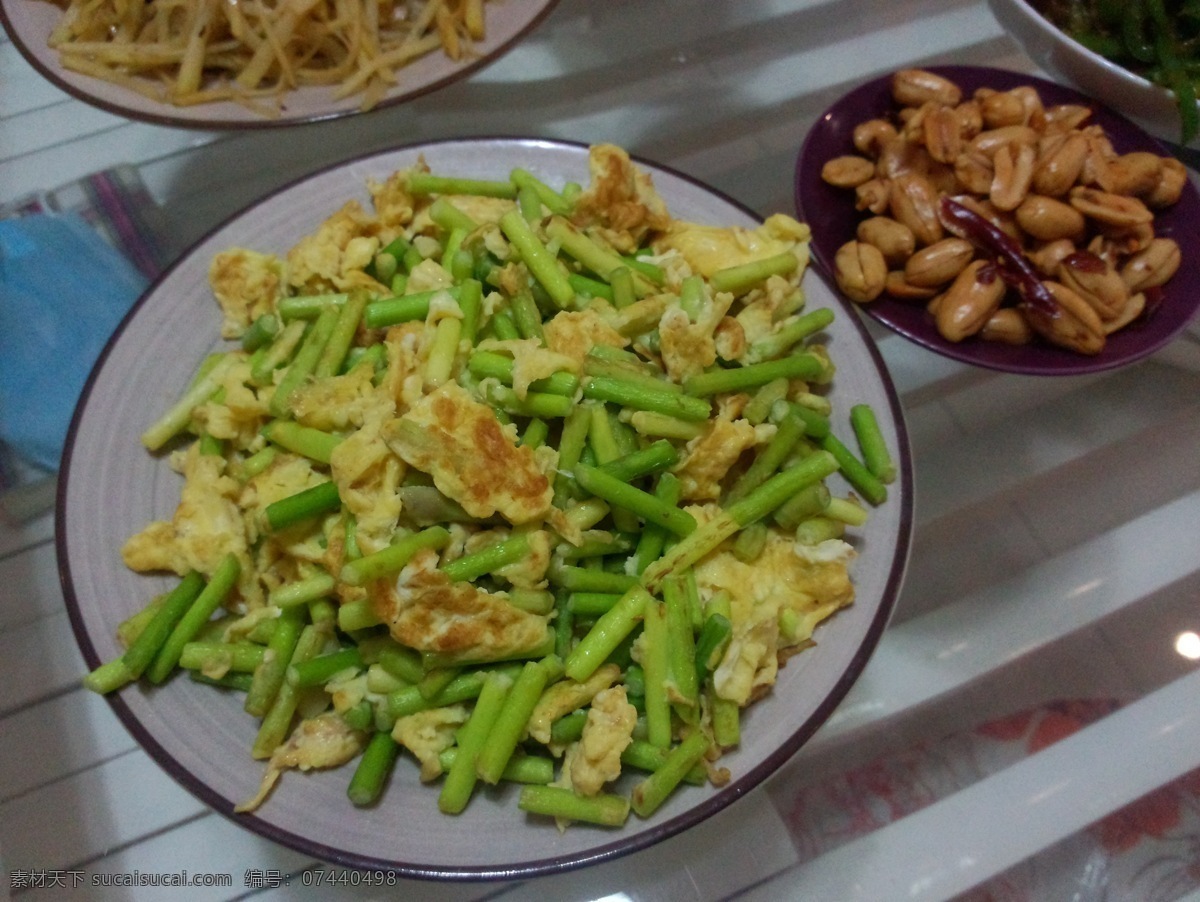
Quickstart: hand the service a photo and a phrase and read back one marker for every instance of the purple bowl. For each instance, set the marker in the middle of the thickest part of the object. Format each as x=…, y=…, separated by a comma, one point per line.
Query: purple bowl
x=832, y=209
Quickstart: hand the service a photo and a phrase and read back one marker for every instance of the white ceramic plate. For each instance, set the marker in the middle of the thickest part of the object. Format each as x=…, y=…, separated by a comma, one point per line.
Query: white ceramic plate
x=1151, y=106
x=111, y=487
x=30, y=22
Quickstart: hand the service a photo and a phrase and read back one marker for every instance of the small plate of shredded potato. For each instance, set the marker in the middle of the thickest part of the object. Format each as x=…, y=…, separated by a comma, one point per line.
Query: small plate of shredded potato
x=484, y=508
x=1002, y=220
x=209, y=64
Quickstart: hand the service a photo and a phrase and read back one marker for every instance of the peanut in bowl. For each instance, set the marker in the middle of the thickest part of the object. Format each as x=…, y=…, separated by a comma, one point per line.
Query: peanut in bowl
x=1166, y=310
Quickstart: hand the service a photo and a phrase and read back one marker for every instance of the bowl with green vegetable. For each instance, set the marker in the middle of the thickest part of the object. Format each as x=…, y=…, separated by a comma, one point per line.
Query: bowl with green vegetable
x=483, y=509
x=1140, y=58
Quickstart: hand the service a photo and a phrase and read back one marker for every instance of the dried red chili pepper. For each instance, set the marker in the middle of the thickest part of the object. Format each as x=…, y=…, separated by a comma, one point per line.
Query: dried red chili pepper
x=1014, y=267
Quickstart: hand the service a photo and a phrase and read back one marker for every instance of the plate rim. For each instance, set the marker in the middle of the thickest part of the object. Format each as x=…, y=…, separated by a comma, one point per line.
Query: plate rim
x=1068, y=363
x=739, y=787
x=254, y=123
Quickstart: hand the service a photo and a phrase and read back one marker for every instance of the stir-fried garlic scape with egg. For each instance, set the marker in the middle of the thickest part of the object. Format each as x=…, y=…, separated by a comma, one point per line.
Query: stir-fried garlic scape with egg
x=529, y=482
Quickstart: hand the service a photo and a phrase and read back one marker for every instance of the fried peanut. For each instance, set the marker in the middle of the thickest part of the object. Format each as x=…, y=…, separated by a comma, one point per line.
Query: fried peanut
x=860, y=271
x=1109, y=209
x=1090, y=277
x=1001, y=219
x=939, y=263
x=1031, y=106
x=1012, y=175
x=1172, y=177
x=912, y=123
x=1118, y=242
x=970, y=118
x=1001, y=109
x=894, y=239
x=1008, y=326
x=848, y=171
x=1153, y=266
x=913, y=202
x=1059, y=164
x=1073, y=324
x=1099, y=156
x=873, y=195
x=913, y=87
x=989, y=141
x=1132, y=310
x=974, y=172
x=1048, y=256
x=1066, y=116
x=1136, y=173
x=943, y=178
x=870, y=136
x=899, y=157
x=898, y=287
x=970, y=301
x=1047, y=219
x=943, y=134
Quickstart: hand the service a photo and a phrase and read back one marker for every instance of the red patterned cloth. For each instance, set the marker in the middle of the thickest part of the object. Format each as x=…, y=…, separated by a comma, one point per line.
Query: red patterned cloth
x=1148, y=851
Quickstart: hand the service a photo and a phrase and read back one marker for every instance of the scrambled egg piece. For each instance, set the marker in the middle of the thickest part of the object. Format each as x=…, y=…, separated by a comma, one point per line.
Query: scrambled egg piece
x=368, y=476
x=241, y=412
x=392, y=203
x=708, y=249
x=240, y=627
x=709, y=456
x=287, y=475
x=688, y=347
x=346, y=690
x=429, y=733
x=750, y=662
x=511, y=278
x=207, y=525
x=566, y=696
x=641, y=316
x=472, y=458
x=403, y=380
x=246, y=284
x=784, y=577
x=620, y=202
x=531, y=361
x=333, y=258
x=607, y=732
x=530, y=572
x=322, y=741
x=766, y=310
x=527, y=573
x=425, y=611
x=339, y=403
x=483, y=211
x=572, y=333
x=428, y=275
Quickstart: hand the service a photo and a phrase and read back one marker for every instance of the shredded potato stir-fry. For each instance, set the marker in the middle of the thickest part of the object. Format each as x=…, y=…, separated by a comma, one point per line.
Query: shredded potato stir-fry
x=188, y=52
